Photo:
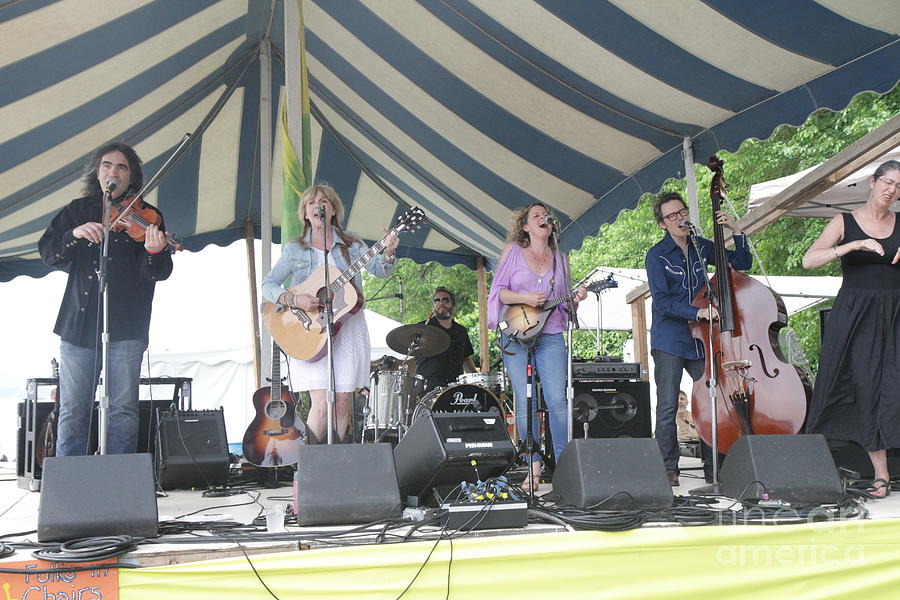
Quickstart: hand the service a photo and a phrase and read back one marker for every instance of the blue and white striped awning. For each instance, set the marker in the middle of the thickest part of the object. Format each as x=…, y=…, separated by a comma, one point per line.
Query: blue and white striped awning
x=468, y=108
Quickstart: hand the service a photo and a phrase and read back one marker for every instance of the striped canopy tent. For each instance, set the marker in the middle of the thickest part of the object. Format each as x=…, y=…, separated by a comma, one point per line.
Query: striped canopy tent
x=468, y=108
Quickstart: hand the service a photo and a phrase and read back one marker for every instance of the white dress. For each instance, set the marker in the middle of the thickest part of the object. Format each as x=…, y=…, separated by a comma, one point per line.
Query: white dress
x=351, y=356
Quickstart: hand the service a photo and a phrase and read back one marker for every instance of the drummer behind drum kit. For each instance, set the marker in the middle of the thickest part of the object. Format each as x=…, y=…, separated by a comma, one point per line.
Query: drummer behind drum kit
x=396, y=400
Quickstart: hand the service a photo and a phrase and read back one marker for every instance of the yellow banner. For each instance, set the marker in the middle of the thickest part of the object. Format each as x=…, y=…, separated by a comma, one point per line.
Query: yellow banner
x=821, y=560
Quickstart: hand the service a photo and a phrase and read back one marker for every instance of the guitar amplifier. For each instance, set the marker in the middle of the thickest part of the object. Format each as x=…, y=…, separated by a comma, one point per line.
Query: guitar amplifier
x=606, y=370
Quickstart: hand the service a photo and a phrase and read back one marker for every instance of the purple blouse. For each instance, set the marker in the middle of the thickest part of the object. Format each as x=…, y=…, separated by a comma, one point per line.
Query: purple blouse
x=515, y=275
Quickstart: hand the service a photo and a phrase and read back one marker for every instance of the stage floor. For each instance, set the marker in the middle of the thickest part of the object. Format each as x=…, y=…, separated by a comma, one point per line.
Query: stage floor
x=856, y=552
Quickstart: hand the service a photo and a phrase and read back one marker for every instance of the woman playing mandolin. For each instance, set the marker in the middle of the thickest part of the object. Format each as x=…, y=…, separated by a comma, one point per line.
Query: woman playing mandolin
x=299, y=260
x=532, y=271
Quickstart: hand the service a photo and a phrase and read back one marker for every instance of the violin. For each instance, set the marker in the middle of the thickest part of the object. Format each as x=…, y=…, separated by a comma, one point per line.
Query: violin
x=133, y=217
x=757, y=391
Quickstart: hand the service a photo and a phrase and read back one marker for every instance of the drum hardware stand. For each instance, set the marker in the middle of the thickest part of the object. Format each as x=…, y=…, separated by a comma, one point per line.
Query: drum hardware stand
x=715, y=488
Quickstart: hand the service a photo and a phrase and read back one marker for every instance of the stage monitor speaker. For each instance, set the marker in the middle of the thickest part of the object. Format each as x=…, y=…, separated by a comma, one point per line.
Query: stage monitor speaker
x=612, y=473
x=191, y=449
x=103, y=495
x=611, y=409
x=854, y=457
x=345, y=483
x=794, y=468
x=438, y=450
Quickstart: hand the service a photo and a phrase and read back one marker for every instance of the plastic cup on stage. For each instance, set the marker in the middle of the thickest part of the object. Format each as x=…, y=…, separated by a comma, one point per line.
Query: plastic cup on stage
x=275, y=518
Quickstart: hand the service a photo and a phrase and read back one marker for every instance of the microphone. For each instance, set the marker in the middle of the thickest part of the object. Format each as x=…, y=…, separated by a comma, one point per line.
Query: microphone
x=689, y=226
x=111, y=185
x=548, y=220
x=400, y=295
x=321, y=211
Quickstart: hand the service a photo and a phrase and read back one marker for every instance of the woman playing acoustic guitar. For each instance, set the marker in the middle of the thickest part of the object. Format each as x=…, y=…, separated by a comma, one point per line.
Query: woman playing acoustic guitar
x=299, y=260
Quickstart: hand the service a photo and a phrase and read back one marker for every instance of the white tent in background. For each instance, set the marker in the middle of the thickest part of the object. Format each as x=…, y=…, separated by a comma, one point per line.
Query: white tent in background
x=843, y=196
x=610, y=311
x=225, y=376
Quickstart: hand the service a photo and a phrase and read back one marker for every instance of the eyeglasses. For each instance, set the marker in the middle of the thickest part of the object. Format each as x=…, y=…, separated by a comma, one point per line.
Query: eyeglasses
x=679, y=213
x=445, y=300
x=890, y=182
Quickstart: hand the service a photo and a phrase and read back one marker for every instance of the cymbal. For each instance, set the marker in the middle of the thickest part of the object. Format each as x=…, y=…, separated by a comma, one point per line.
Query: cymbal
x=418, y=340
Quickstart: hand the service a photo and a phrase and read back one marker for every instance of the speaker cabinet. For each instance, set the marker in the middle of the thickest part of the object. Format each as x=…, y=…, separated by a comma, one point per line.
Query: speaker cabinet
x=794, y=468
x=345, y=483
x=854, y=457
x=438, y=451
x=191, y=449
x=103, y=495
x=28, y=471
x=612, y=473
x=611, y=409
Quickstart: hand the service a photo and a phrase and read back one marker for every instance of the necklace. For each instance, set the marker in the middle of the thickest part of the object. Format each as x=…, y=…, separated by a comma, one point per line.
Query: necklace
x=541, y=262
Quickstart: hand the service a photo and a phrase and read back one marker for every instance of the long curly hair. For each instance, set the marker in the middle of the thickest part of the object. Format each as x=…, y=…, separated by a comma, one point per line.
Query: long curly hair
x=336, y=206
x=90, y=185
x=518, y=234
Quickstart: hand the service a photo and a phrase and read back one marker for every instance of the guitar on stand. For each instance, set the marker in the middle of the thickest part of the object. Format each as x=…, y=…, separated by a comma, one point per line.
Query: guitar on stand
x=273, y=438
x=303, y=334
x=525, y=322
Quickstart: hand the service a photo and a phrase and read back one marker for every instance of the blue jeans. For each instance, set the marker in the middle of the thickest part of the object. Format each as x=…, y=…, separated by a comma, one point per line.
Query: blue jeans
x=79, y=369
x=667, y=373
x=549, y=361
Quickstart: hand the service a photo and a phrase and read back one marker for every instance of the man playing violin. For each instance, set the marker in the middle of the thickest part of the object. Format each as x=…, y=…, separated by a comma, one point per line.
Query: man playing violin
x=72, y=242
x=674, y=274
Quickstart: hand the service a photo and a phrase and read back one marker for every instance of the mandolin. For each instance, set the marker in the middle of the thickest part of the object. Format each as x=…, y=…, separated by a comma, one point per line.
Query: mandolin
x=273, y=438
x=303, y=334
x=525, y=322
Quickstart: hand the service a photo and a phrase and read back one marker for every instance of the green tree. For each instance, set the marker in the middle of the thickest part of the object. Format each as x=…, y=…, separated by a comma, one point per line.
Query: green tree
x=624, y=243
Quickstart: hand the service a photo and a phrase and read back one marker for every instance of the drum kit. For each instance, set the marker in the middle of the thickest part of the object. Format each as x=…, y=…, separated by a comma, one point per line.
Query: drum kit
x=397, y=399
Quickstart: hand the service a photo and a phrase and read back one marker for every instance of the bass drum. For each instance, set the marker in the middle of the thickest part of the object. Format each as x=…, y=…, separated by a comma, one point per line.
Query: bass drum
x=458, y=398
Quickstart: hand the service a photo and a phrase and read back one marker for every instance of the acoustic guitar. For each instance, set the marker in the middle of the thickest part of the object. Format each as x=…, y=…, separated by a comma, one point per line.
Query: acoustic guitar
x=273, y=438
x=303, y=334
x=525, y=322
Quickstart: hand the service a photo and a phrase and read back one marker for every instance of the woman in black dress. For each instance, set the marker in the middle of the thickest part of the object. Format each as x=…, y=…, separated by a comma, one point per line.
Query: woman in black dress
x=857, y=392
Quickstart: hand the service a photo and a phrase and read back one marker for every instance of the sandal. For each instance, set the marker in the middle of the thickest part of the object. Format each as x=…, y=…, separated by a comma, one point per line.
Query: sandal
x=881, y=488
x=526, y=485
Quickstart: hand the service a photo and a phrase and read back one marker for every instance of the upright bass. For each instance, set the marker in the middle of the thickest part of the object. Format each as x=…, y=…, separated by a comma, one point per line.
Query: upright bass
x=757, y=390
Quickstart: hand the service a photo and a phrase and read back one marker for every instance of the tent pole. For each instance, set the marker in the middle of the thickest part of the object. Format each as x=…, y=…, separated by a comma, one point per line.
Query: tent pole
x=484, y=353
x=687, y=151
x=639, y=333
x=265, y=181
x=254, y=299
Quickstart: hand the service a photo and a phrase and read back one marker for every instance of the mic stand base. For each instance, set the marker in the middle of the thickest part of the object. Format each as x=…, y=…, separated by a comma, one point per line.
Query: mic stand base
x=713, y=489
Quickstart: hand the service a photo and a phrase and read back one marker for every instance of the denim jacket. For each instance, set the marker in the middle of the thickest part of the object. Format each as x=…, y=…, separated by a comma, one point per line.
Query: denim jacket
x=300, y=262
x=673, y=287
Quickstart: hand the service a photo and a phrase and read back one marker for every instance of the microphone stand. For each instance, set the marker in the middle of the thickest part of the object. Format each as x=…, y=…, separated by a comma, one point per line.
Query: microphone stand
x=329, y=320
x=715, y=488
x=571, y=323
x=103, y=281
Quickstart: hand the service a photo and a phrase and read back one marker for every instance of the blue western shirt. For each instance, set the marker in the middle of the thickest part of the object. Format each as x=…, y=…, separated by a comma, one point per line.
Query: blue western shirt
x=673, y=286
